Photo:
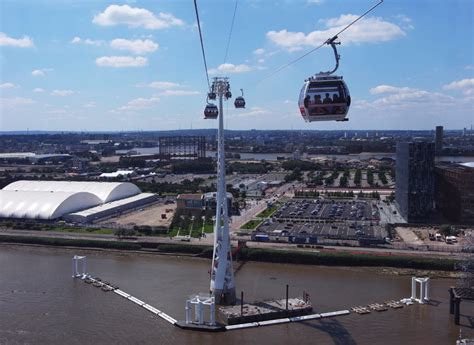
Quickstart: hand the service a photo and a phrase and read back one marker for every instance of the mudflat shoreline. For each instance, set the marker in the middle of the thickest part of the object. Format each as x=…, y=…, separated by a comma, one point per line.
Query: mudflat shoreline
x=403, y=264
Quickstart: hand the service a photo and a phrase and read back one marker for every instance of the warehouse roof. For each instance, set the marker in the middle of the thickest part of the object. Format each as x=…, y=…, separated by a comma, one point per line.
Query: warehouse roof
x=105, y=191
x=44, y=204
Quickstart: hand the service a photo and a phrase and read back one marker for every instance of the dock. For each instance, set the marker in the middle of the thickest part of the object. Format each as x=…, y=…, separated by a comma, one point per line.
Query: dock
x=106, y=287
x=286, y=320
x=394, y=304
x=378, y=307
x=360, y=310
x=263, y=311
x=260, y=314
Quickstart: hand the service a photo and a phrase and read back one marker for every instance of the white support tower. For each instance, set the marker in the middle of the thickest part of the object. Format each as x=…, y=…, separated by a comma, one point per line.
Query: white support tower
x=424, y=289
x=76, y=272
x=200, y=302
x=222, y=274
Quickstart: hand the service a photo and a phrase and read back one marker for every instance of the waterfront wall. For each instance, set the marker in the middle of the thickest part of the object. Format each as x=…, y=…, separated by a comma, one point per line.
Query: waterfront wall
x=255, y=254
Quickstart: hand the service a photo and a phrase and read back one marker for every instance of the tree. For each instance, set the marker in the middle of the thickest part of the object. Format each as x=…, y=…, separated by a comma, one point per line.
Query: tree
x=123, y=233
x=467, y=266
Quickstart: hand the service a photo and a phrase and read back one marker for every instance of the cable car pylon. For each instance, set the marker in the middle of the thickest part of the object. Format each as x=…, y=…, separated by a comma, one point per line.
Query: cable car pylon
x=222, y=285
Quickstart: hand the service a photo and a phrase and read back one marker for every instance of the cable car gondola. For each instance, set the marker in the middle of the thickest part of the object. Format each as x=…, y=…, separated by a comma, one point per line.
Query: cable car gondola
x=325, y=97
x=227, y=93
x=240, y=101
x=211, y=111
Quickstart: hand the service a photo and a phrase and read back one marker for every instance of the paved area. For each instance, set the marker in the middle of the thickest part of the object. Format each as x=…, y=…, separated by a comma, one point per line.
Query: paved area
x=335, y=219
x=151, y=216
x=317, y=209
x=389, y=214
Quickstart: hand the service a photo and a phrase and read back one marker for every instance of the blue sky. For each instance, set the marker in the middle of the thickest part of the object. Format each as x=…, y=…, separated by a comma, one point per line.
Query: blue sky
x=137, y=65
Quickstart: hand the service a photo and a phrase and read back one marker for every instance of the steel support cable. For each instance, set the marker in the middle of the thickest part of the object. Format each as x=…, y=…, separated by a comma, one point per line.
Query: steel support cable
x=322, y=44
x=230, y=32
x=202, y=44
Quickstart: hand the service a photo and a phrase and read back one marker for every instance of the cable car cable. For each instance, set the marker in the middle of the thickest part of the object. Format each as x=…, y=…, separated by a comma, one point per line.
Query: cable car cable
x=329, y=41
x=202, y=44
x=230, y=32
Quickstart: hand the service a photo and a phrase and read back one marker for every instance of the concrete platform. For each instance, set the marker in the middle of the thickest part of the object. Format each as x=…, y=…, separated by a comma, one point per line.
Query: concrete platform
x=202, y=328
x=263, y=311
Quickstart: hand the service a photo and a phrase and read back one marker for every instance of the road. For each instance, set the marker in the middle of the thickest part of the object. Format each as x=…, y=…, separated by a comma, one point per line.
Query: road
x=286, y=189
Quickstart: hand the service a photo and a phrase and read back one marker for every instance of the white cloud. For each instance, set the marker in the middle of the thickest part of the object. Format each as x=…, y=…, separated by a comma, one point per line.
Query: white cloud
x=90, y=105
x=253, y=112
x=134, y=46
x=259, y=51
x=162, y=85
x=121, y=61
x=135, y=17
x=8, y=86
x=38, y=90
x=389, y=89
x=230, y=68
x=460, y=84
x=24, y=42
x=261, y=60
x=406, y=107
x=15, y=102
x=139, y=104
x=179, y=93
x=366, y=30
x=404, y=98
x=405, y=21
x=315, y=2
x=58, y=111
x=62, y=93
x=38, y=73
x=78, y=40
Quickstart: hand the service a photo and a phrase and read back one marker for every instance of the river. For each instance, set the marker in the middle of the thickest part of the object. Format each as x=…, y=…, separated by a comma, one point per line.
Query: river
x=41, y=304
x=341, y=157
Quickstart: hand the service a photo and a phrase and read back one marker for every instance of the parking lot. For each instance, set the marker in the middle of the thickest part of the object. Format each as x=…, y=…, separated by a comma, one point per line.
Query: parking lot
x=319, y=209
x=334, y=219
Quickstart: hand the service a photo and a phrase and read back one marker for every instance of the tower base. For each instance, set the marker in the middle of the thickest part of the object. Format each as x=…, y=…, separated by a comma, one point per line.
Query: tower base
x=227, y=297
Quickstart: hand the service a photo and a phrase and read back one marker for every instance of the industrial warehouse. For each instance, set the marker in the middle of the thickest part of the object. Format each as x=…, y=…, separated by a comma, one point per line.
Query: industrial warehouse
x=75, y=201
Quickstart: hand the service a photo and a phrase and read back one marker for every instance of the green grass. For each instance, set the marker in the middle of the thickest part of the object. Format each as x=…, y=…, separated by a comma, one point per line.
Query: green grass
x=101, y=231
x=251, y=224
x=196, y=232
x=268, y=211
x=209, y=228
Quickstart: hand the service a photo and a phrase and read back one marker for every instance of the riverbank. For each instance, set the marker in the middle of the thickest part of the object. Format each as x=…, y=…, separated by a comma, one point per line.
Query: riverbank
x=400, y=262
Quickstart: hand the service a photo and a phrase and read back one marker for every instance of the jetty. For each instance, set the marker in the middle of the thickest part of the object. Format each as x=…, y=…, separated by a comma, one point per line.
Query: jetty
x=105, y=286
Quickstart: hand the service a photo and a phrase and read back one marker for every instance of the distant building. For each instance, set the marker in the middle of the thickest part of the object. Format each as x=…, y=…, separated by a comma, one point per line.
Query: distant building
x=118, y=173
x=455, y=192
x=49, y=200
x=439, y=140
x=296, y=155
x=182, y=147
x=196, y=203
x=79, y=163
x=415, y=180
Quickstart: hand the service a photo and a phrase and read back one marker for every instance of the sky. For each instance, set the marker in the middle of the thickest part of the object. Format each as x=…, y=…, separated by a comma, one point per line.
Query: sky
x=137, y=65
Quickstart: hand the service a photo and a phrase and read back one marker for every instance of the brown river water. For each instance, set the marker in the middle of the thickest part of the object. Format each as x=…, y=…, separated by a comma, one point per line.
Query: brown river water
x=41, y=304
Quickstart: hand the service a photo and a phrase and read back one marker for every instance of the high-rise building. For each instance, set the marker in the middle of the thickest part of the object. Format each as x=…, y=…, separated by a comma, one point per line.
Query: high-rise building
x=414, y=191
x=439, y=139
x=455, y=192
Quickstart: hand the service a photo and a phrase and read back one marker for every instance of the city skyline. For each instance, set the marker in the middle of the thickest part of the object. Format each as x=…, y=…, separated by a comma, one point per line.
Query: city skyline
x=136, y=65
